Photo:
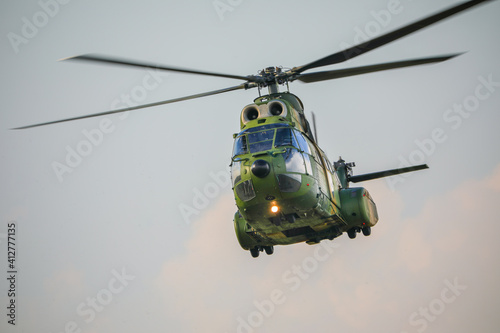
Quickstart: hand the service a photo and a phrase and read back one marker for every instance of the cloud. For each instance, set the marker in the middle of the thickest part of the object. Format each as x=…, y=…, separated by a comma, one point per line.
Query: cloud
x=359, y=285
x=65, y=283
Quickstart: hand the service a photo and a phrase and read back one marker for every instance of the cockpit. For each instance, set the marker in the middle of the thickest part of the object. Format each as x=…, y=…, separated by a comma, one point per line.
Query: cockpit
x=296, y=151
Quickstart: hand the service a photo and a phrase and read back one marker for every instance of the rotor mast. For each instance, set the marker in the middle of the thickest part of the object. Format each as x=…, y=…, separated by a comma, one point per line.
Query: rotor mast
x=272, y=77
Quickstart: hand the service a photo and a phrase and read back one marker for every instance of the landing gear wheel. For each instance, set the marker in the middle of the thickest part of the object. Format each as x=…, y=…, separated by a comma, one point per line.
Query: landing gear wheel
x=269, y=249
x=255, y=252
x=352, y=233
x=367, y=231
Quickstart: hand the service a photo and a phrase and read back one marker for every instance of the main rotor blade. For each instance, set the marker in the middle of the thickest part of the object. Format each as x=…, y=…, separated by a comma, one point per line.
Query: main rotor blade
x=214, y=92
x=387, y=173
x=314, y=127
x=339, y=73
x=118, y=61
x=386, y=38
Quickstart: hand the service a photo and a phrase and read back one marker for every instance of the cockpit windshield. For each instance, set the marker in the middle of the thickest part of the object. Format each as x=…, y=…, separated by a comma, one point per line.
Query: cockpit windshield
x=260, y=141
x=285, y=137
x=261, y=138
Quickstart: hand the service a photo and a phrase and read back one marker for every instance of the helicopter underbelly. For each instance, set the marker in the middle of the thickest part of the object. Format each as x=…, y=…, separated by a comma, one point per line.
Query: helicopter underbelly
x=309, y=217
x=310, y=230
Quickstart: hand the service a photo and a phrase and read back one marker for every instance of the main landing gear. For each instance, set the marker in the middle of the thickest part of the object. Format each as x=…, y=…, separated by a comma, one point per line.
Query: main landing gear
x=353, y=231
x=258, y=249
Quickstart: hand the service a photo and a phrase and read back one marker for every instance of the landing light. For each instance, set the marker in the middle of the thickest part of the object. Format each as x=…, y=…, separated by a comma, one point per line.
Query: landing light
x=274, y=209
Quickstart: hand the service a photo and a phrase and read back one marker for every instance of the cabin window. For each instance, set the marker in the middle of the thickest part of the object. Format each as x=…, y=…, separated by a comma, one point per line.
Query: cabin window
x=329, y=165
x=315, y=154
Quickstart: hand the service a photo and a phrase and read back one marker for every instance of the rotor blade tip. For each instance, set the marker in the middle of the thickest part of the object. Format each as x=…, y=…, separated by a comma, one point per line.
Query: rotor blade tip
x=67, y=58
x=81, y=56
x=454, y=55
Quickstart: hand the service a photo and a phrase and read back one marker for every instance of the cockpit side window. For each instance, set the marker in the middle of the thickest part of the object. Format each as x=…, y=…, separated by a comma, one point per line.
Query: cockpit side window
x=294, y=161
x=240, y=146
x=302, y=142
x=236, y=172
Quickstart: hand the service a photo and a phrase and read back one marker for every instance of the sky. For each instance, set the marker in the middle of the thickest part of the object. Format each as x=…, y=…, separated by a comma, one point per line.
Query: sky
x=123, y=223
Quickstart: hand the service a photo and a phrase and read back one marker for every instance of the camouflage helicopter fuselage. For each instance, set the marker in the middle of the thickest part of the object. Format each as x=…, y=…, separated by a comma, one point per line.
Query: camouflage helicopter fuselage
x=285, y=188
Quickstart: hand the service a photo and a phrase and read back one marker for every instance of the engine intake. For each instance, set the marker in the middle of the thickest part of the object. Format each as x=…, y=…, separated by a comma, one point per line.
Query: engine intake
x=249, y=113
x=271, y=109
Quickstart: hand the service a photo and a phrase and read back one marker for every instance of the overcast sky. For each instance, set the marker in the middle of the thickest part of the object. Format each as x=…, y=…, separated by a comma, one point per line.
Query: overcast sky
x=103, y=240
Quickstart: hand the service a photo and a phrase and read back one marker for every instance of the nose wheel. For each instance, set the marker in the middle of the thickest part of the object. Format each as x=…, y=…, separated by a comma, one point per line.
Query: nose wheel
x=258, y=249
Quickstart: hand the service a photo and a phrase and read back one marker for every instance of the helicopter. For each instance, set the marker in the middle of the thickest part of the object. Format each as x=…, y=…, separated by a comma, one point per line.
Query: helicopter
x=285, y=188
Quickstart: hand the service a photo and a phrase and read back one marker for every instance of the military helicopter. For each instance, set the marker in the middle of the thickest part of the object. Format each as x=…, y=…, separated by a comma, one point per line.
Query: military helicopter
x=286, y=190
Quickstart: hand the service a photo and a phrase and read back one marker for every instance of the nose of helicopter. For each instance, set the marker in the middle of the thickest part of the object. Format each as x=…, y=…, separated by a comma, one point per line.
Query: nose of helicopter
x=260, y=168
